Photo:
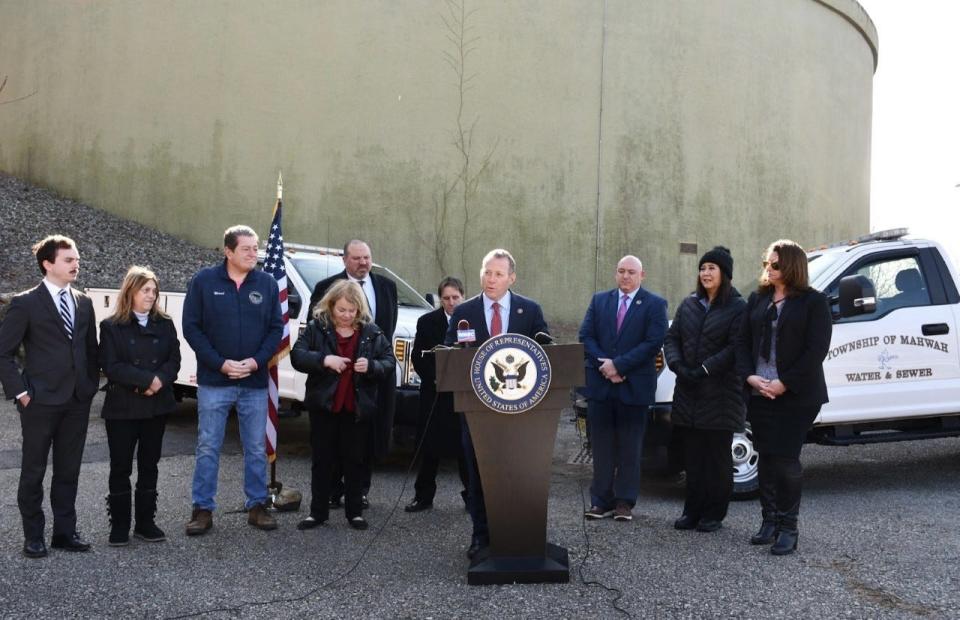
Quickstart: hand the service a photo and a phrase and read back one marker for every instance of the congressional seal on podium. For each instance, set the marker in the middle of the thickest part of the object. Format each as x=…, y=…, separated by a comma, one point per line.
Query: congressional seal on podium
x=510, y=373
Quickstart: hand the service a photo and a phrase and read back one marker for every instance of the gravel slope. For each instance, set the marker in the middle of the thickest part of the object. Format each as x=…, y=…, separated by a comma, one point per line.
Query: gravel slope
x=108, y=244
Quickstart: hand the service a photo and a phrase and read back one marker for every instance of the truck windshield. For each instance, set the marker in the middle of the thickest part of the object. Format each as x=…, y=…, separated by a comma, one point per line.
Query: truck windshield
x=817, y=264
x=313, y=269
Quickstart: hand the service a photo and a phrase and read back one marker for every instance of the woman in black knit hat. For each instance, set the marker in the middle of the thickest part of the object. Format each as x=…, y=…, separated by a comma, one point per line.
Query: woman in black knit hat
x=783, y=340
x=708, y=398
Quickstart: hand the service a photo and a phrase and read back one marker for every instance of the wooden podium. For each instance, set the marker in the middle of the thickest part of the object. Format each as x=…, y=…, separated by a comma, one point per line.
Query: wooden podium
x=514, y=454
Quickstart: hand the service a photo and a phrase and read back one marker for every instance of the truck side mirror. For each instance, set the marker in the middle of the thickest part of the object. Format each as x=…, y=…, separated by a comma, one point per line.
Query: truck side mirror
x=293, y=303
x=431, y=299
x=857, y=296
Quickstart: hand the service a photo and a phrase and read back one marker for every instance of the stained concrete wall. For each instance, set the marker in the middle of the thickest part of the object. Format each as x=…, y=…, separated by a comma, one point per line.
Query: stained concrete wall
x=568, y=131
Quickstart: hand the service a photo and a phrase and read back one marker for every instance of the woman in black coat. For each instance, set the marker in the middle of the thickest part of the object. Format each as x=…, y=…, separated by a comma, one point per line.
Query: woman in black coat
x=140, y=356
x=784, y=338
x=707, y=398
x=345, y=356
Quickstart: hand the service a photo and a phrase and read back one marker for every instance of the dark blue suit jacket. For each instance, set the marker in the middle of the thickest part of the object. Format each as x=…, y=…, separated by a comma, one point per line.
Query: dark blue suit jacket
x=633, y=351
x=526, y=318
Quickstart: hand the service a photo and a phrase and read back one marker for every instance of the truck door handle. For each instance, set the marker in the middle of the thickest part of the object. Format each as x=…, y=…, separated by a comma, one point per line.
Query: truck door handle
x=935, y=329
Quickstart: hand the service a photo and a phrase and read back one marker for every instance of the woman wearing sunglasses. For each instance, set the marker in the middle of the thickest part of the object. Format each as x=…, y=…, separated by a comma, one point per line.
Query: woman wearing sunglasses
x=784, y=338
x=708, y=397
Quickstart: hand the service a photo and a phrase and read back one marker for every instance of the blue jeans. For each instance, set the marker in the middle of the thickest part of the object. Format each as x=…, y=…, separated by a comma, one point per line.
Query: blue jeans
x=616, y=438
x=213, y=407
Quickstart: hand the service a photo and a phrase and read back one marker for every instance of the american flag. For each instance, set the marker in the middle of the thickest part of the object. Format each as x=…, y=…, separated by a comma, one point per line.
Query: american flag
x=273, y=264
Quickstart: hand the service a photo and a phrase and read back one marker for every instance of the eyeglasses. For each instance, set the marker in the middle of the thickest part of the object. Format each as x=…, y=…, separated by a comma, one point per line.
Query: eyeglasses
x=774, y=266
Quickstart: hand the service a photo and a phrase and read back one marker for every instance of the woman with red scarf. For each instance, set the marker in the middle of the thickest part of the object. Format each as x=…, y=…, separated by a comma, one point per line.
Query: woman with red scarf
x=345, y=356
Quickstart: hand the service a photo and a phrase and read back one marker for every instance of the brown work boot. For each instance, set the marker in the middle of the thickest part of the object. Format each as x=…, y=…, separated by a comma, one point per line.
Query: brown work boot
x=200, y=522
x=259, y=518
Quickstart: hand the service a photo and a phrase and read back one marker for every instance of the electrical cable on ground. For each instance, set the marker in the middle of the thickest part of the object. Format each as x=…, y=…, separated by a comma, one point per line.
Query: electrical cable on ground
x=296, y=599
x=583, y=561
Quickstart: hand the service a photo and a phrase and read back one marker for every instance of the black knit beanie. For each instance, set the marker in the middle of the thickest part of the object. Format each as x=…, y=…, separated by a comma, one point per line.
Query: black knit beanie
x=719, y=256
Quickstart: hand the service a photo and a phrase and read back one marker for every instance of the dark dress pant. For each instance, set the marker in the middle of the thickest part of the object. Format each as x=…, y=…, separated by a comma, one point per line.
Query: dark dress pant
x=616, y=439
x=337, y=439
x=126, y=437
x=778, y=434
x=709, y=467
x=425, y=486
x=475, y=501
x=63, y=428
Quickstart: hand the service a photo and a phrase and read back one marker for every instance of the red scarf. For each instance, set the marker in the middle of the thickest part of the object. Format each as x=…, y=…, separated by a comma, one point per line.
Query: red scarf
x=344, y=397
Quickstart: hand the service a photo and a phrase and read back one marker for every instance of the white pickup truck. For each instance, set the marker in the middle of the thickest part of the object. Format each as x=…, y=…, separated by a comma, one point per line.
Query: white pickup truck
x=305, y=265
x=893, y=370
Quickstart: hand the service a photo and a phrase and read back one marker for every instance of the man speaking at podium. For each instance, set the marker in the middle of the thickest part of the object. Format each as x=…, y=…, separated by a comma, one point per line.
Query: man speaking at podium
x=496, y=310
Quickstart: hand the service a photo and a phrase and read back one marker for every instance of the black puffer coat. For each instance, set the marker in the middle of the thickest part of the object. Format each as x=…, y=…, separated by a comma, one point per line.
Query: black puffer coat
x=700, y=338
x=319, y=341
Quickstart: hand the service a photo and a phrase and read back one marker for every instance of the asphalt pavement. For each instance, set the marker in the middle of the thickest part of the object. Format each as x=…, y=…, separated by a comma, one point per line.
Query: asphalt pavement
x=880, y=538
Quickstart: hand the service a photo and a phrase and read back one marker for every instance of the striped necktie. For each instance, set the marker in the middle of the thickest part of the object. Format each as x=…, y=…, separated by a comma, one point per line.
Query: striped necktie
x=65, y=314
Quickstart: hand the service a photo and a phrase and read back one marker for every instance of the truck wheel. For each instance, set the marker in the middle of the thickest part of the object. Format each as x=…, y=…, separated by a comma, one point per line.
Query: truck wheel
x=745, y=481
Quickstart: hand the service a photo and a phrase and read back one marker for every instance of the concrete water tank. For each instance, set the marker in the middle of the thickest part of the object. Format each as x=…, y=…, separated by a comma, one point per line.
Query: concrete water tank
x=570, y=132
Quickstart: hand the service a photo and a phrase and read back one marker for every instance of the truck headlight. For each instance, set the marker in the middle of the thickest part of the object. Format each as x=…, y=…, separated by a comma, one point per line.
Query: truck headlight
x=403, y=350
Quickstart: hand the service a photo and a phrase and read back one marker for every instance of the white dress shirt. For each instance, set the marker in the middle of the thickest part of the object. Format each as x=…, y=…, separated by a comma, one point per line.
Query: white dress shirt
x=371, y=295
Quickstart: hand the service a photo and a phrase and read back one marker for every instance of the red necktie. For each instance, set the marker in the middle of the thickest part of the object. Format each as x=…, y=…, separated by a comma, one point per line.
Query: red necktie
x=496, y=325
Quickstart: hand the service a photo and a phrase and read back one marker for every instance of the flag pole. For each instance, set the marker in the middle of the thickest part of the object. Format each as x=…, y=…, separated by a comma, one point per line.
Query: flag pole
x=276, y=485
x=274, y=264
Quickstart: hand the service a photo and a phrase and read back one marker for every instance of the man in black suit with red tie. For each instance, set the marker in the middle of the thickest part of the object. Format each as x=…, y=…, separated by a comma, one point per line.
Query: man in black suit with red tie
x=53, y=390
x=381, y=293
x=496, y=310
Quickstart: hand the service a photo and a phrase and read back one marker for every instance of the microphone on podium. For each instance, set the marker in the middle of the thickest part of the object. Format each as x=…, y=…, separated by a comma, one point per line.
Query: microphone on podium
x=465, y=335
x=543, y=338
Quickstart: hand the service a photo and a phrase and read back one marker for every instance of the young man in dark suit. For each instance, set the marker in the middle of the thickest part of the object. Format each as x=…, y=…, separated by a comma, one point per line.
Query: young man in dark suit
x=53, y=390
x=621, y=333
x=381, y=294
x=496, y=310
x=440, y=428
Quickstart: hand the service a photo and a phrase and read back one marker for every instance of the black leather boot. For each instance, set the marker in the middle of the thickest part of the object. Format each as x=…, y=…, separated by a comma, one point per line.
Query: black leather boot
x=767, y=478
x=788, y=537
x=789, y=490
x=146, y=508
x=767, y=532
x=118, y=510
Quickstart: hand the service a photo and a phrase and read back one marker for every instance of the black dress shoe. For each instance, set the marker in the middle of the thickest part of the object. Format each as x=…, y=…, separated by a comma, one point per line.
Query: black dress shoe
x=359, y=523
x=709, y=525
x=417, y=505
x=364, y=502
x=686, y=522
x=336, y=502
x=34, y=548
x=69, y=542
x=310, y=522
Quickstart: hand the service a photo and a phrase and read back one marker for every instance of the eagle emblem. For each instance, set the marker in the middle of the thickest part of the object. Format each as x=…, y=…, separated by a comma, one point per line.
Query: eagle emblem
x=507, y=373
